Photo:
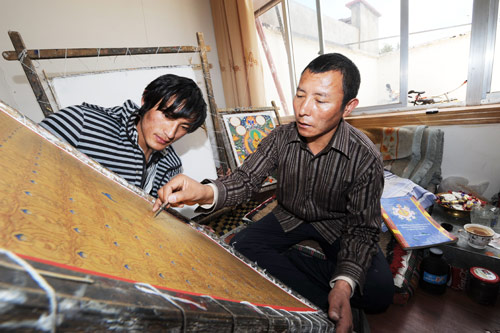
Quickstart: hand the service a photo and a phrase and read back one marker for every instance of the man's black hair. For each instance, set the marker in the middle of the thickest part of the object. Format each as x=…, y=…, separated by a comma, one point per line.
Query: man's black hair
x=178, y=97
x=338, y=62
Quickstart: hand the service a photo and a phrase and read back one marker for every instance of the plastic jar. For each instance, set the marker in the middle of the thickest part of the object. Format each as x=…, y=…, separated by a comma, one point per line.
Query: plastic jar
x=434, y=272
x=482, y=285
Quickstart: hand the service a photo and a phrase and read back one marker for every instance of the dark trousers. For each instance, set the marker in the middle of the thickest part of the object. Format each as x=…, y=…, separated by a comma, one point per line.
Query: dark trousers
x=266, y=243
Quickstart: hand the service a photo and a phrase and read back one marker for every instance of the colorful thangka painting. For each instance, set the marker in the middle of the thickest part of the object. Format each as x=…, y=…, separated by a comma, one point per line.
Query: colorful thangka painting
x=246, y=131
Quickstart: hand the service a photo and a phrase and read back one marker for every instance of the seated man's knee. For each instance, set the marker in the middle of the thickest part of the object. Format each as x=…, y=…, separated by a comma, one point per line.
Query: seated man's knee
x=241, y=244
x=378, y=291
x=379, y=295
x=384, y=297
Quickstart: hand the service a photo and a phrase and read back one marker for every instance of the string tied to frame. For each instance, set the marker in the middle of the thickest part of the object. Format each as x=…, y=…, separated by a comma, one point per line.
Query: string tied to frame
x=233, y=316
x=260, y=312
x=46, y=322
x=149, y=289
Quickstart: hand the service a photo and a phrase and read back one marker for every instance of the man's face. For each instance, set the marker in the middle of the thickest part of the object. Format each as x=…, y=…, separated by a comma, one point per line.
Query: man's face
x=157, y=131
x=317, y=105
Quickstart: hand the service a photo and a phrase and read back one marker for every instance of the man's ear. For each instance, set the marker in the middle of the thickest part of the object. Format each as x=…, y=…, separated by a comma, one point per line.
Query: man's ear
x=351, y=105
x=142, y=100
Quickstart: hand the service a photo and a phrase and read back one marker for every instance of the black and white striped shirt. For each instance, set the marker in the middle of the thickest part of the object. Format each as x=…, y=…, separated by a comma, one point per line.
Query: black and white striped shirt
x=338, y=190
x=109, y=136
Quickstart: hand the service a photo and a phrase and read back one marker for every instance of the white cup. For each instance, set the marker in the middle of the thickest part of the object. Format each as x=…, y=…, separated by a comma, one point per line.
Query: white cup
x=478, y=235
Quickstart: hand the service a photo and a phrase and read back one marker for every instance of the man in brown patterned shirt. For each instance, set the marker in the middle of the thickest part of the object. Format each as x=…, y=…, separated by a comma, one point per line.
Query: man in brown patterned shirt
x=330, y=180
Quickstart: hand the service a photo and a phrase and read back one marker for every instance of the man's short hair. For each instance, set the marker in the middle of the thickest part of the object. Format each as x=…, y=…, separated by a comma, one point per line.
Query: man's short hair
x=178, y=97
x=338, y=62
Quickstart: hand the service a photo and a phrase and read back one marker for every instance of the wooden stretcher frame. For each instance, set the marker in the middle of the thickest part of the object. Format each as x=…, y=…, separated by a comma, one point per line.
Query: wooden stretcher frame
x=128, y=303
x=25, y=57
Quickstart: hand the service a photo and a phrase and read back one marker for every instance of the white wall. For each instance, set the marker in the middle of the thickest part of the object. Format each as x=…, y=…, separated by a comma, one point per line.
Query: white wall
x=472, y=152
x=97, y=23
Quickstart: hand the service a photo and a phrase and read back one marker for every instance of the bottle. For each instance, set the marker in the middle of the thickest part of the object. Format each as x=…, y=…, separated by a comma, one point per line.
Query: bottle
x=434, y=272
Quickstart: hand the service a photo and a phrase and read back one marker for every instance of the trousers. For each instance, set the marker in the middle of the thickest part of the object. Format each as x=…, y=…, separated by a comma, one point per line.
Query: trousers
x=270, y=247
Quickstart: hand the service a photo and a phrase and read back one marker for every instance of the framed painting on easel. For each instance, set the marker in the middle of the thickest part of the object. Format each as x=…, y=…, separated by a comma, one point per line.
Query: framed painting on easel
x=246, y=130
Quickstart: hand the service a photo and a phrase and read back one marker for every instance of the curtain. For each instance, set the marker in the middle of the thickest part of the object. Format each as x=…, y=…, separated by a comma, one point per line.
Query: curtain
x=237, y=48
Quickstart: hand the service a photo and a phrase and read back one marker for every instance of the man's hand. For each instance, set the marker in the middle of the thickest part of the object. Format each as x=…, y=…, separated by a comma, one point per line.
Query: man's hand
x=339, y=306
x=182, y=190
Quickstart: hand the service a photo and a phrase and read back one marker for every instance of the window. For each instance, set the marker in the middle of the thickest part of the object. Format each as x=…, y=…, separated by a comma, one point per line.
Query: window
x=438, y=49
x=494, y=91
x=398, y=45
x=368, y=33
x=270, y=28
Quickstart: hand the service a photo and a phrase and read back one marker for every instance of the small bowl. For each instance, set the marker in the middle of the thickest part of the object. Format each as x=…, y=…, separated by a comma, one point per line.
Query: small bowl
x=452, y=211
x=455, y=212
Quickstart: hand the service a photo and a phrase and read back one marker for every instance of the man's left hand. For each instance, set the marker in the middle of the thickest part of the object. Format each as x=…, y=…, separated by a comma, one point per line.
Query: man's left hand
x=339, y=306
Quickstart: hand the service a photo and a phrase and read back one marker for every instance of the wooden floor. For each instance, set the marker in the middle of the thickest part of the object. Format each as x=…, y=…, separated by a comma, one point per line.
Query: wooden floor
x=452, y=312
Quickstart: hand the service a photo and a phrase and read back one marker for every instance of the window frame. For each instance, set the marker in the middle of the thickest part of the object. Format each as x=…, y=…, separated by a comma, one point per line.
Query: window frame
x=480, y=66
x=489, y=38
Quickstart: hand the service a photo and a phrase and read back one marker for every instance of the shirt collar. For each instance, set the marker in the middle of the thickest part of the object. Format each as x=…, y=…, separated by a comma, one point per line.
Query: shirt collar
x=131, y=127
x=339, y=141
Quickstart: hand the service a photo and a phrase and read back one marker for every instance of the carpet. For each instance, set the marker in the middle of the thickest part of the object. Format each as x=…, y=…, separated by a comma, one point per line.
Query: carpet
x=232, y=219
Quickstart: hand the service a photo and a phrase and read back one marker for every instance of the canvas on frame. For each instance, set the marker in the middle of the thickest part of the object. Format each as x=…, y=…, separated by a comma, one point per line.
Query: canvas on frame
x=246, y=130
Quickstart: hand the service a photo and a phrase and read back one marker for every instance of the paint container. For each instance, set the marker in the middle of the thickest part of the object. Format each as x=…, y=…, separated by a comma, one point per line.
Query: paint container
x=482, y=285
x=458, y=278
x=435, y=272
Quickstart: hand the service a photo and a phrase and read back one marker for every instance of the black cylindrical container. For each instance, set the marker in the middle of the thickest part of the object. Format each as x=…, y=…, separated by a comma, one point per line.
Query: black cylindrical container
x=482, y=285
x=434, y=272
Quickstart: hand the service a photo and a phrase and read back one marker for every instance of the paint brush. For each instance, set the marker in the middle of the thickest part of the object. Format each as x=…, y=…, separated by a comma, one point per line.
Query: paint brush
x=162, y=207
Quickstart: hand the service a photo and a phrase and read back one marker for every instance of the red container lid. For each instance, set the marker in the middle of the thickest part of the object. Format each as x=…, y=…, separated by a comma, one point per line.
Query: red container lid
x=484, y=275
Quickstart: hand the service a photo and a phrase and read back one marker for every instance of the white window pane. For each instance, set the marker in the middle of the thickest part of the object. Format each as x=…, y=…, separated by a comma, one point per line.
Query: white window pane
x=276, y=69
x=439, y=48
x=368, y=33
x=495, y=77
x=304, y=26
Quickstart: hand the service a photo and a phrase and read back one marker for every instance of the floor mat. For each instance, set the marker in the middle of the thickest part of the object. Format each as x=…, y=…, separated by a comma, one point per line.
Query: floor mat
x=232, y=219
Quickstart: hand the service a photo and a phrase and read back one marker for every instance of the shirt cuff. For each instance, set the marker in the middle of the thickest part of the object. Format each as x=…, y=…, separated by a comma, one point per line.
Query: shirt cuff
x=216, y=197
x=346, y=279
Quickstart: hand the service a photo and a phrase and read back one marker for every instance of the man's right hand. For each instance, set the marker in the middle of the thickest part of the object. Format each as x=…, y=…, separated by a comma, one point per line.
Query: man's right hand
x=339, y=306
x=182, y=190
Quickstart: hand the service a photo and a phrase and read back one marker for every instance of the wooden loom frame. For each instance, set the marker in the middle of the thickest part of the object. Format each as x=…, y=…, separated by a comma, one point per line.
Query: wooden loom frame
x=127, y=306
x=25, y=56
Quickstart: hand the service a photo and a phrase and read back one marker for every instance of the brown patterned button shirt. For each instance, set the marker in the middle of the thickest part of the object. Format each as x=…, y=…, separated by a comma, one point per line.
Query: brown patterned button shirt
x=338, y=190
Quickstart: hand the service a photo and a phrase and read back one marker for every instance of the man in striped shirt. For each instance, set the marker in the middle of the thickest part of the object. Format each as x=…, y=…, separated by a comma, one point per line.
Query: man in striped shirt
x=330, y=180
x=132, y=141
